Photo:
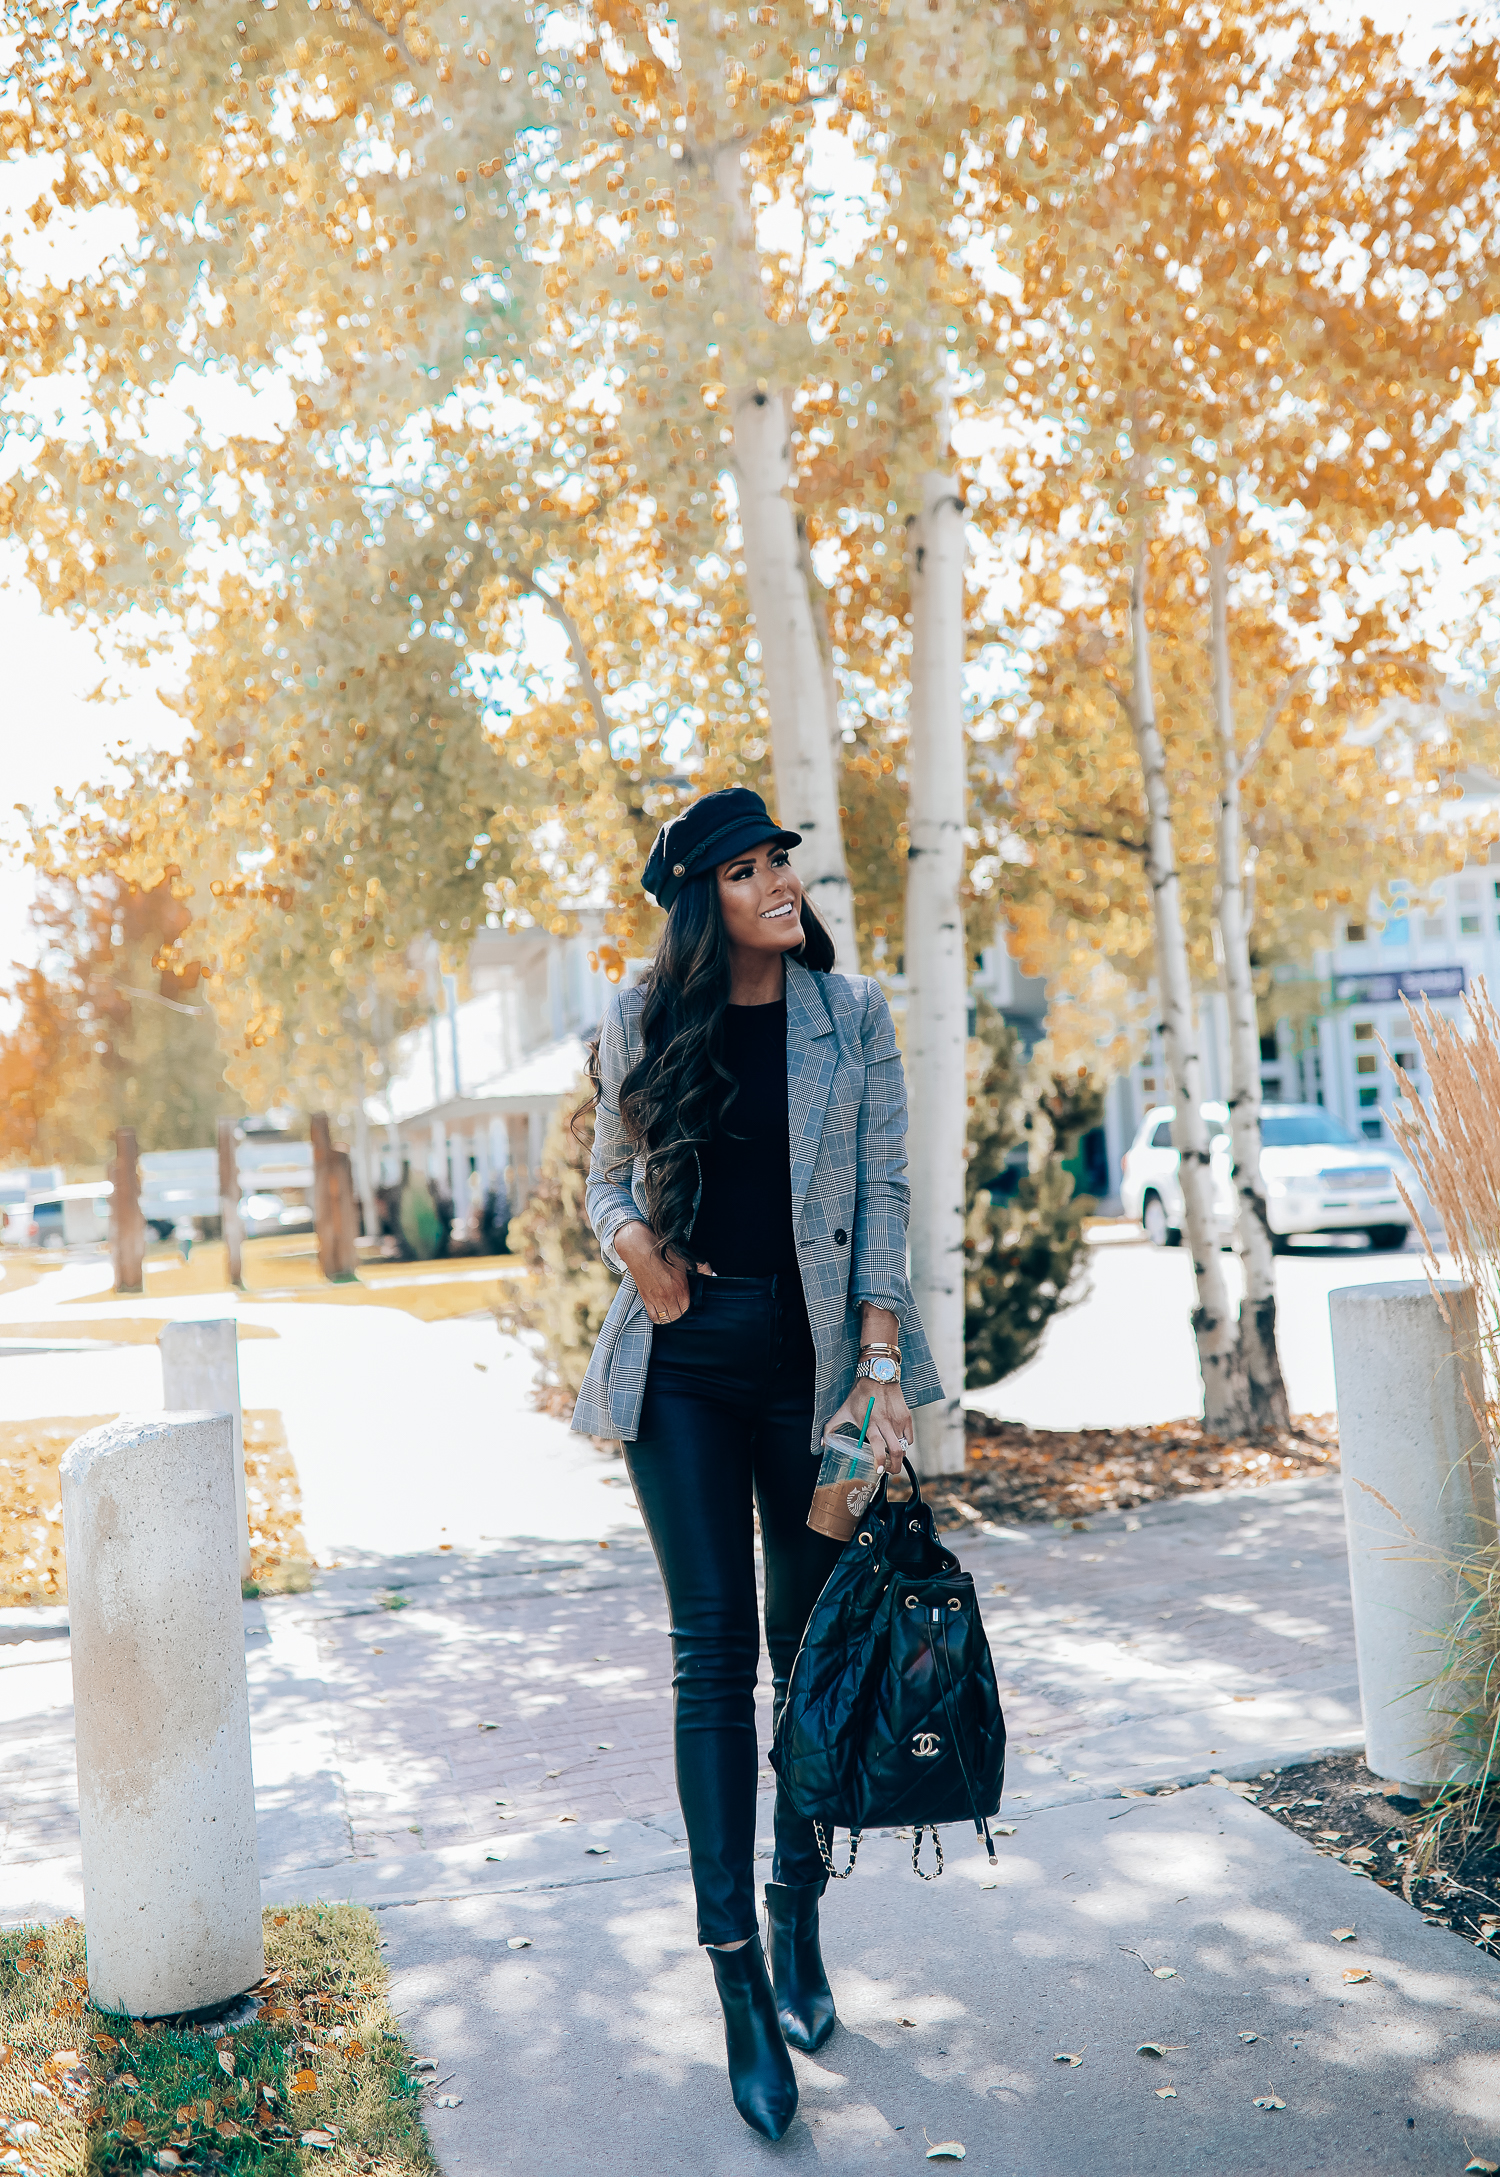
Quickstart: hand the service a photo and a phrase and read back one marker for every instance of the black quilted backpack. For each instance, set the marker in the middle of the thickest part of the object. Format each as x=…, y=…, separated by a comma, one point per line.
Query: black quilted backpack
x=892, y=1716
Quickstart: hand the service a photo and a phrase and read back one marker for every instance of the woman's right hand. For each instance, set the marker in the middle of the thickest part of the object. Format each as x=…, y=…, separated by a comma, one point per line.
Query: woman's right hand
x=661, y=1280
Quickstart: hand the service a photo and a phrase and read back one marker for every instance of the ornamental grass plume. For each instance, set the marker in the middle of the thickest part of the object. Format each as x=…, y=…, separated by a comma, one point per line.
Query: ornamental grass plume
x=1451, y=1137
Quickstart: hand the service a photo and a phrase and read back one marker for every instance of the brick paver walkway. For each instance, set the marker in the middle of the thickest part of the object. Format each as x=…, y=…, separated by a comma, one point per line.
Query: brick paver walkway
x=520, y=1690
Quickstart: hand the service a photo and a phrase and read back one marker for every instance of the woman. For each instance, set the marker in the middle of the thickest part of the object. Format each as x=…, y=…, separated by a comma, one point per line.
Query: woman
x=748, y=1181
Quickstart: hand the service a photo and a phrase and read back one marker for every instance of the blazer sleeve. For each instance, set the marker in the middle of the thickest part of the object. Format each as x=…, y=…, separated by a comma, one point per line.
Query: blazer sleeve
x=883, y=1198
x=608, y=1202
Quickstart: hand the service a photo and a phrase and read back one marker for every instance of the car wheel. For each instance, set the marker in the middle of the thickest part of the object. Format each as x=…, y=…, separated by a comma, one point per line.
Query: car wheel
x=1385, y=1239
x=1154, y=1222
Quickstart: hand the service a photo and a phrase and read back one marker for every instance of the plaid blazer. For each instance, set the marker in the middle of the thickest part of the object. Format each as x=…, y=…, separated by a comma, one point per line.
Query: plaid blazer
x=846, y=1113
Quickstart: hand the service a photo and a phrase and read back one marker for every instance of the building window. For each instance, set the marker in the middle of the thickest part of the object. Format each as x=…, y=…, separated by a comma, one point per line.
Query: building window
x=1354, y=933
x=1370, y=1128
x=1268, y=1049
x=1368, y=1097
x=1468, y=925
x=1365, y=1062
x=1434, y=929
x=1364, y=1031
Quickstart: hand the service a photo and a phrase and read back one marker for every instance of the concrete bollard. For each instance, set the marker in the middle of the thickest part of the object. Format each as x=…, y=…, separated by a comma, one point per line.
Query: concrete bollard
x=200, y=1373
x=166, y=1800
x=1419, y=1500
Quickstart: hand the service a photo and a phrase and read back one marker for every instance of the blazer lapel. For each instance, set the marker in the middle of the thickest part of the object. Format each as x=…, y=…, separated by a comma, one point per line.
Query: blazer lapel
x=811, y=1055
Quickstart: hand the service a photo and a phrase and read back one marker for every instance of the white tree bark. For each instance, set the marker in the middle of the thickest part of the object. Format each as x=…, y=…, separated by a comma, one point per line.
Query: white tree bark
x=795, y=662
x=1262, y=1368
x=937, y=1007
x=803, y=736
x=1226, y=1402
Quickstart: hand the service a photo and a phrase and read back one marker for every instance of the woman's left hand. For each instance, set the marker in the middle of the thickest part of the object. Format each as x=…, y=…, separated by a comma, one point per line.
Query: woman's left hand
x=891, y=1434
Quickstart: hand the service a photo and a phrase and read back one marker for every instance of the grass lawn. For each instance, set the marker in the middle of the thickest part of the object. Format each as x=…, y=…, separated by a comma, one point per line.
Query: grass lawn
x=321, y=2078
x=32, y=1570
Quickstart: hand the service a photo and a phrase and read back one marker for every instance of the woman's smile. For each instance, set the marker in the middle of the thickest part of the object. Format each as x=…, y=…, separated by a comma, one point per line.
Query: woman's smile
x=774, y=914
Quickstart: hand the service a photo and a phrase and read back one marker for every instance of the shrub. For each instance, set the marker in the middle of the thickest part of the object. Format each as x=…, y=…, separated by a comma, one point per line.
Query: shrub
x=1023, y=1230
x=570, y=1289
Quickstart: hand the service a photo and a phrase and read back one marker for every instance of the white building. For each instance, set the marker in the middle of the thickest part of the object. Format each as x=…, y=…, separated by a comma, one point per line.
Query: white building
x=1326, y=1046
x=472, y=1090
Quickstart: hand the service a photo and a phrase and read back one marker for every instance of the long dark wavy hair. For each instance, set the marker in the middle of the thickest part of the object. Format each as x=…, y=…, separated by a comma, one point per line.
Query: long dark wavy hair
x=679, y=1091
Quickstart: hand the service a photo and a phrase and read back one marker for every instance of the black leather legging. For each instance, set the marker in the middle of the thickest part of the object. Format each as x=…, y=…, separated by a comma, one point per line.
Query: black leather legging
x=727, y=1415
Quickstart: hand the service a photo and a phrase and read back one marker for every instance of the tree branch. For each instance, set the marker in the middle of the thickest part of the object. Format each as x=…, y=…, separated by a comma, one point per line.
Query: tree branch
x=569, y=626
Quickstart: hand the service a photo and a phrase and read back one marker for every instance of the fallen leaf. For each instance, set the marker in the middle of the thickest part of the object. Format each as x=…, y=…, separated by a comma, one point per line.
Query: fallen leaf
x=104, y=2041
x=305, y=2082
x=269, y=1980
x=226, y=2061
x=1355, y=1974
x=489, y=1727
x=227, y=2128
x=567, y=1817
x=1164, y=1972
x=168, y=2158
x=354, y=2051
x=518, y=1942
x=1330, y=1836
x=450, y=2101
x=1359, y=1857
x=1248, y=2037
x=1268, y=2101
x=905, y=2021
x=1476, y=2168
x=1004, y=1829
x=989, y=1885
x=599, y=1851
x=1165, y=2093
x=133, y=2129
x=1343, y=1935
x=493, y=1856
x=606, y=1746
x=1133, y=1791
x=1070, y=2057
x=483, y=1367
x=946, y=2150
x=320, y=2139
x=26, y=1965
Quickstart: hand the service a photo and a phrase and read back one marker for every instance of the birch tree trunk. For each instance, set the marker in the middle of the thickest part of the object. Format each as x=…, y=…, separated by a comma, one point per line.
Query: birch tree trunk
x=795, y=661
x=1268, y=1399
x=937, y=1007
x=1226, y=1400
x=791, y=662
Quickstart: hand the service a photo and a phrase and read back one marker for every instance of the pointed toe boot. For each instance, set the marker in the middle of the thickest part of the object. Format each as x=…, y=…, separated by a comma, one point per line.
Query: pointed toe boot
x=804, y=2000
x=761, y=2077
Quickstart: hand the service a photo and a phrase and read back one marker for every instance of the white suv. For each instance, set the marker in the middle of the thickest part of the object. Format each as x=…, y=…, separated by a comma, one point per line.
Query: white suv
x=1319, y=1177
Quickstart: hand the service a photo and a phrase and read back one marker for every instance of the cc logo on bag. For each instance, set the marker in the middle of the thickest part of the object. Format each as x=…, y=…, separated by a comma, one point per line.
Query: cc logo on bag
x=925, y=1745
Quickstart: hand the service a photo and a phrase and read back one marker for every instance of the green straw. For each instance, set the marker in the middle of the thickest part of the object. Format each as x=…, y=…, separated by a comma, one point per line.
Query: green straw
x=868, y=1411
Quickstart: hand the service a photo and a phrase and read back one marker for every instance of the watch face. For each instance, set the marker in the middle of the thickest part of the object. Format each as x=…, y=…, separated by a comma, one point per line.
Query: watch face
x=881, y=1371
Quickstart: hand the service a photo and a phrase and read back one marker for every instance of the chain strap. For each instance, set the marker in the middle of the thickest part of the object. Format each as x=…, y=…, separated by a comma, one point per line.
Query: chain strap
x=916, y=1854
x=839, y=1874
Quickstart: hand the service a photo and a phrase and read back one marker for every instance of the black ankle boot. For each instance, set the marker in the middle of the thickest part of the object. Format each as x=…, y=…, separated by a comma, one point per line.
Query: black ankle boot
x=760, y=2071
x=804, y=2000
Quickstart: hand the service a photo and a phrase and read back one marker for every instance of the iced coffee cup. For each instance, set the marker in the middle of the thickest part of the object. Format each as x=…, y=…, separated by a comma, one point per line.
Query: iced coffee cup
x=847, y=1481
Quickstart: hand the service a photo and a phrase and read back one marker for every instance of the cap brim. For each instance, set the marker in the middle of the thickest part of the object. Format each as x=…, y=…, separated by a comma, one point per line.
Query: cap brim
x=737, y=838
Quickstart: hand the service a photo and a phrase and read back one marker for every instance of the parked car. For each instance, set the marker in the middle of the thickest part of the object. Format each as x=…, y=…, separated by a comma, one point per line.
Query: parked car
x=261, y=1213
x=1319, y=1176
x=76, y=1216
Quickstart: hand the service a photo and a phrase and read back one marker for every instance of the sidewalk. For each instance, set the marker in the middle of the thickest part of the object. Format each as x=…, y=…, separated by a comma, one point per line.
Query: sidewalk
x=493, y=1760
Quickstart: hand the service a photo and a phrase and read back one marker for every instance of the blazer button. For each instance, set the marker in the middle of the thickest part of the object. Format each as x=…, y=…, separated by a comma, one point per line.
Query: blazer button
x=841, y=1238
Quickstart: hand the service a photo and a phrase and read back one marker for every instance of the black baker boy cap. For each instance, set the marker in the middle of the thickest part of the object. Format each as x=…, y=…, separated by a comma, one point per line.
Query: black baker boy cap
x=713, y=829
